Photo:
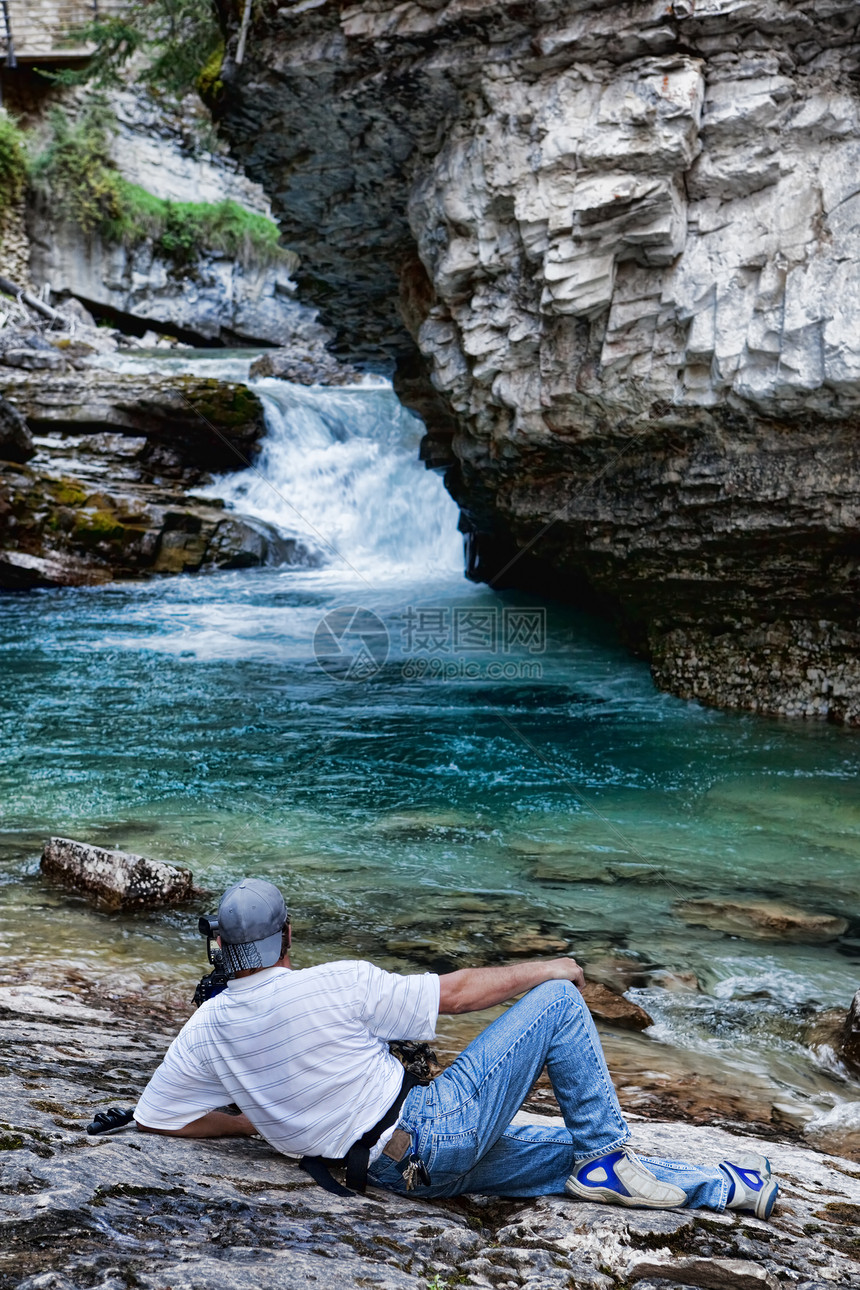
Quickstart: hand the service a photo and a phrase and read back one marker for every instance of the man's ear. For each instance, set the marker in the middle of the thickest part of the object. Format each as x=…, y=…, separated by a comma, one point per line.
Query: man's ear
x=289, y=931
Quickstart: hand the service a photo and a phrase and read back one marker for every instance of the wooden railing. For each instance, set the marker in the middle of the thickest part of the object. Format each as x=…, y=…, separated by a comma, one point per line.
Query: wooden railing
x=33, y=31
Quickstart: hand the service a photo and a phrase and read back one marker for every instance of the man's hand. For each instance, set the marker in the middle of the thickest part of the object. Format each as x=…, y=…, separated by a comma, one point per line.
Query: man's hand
x=215, y=1124
x=472, y=989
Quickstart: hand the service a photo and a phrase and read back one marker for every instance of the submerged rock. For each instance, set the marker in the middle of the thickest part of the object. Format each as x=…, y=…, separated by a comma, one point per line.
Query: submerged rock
x=763, y=920
x=605, y=1005
x=117, y=879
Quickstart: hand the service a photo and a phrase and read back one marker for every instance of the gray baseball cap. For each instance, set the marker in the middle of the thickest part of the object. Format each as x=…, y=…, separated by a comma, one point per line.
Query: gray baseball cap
x=251, y=919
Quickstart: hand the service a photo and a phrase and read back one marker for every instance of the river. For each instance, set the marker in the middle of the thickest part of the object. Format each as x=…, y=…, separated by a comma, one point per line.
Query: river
x=434, y=773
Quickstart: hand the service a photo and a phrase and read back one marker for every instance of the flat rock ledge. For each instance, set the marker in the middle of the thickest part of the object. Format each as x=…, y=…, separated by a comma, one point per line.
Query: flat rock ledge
x=106, y=1213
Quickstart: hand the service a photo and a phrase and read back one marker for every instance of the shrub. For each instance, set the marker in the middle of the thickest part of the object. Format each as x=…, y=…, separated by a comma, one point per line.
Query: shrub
x=77, y=172
x=208, y=83
x=13, y=162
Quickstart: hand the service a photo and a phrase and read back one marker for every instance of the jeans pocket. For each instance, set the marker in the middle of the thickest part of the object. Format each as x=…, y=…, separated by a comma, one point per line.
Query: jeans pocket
x=385, y=1173
x=452, y=1155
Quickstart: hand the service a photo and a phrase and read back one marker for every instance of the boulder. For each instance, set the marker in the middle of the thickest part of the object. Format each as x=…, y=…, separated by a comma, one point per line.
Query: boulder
x=20, y=571
x=16, y=442
x=763, y=920
x=605, y=1005
x=311, y=366
x=116, y=879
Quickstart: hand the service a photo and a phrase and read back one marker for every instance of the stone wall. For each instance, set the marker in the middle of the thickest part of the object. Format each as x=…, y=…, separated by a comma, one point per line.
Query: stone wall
x=612, y=249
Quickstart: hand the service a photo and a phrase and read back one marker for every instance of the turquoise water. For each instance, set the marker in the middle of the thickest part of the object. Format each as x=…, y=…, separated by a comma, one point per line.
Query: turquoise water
x=461, y=803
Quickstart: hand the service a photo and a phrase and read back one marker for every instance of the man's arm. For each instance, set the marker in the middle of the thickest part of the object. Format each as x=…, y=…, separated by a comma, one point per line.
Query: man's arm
x=214, y=1124
x=472, y=989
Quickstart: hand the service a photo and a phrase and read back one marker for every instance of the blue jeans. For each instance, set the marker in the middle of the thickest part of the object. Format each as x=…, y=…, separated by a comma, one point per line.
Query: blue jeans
x=461, y=1123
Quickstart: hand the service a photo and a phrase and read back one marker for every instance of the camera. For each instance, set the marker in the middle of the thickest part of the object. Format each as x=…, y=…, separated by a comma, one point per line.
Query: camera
x=216, y=980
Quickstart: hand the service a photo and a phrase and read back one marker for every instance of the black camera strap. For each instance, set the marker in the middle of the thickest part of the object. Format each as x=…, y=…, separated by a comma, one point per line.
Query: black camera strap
x=358, y=1156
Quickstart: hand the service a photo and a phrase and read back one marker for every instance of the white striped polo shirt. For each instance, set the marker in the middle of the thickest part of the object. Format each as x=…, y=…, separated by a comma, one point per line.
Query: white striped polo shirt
x=303, y=1053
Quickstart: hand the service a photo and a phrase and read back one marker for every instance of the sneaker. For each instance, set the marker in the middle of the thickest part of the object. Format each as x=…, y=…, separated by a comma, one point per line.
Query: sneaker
x=750, y=1183
x=620, y=1178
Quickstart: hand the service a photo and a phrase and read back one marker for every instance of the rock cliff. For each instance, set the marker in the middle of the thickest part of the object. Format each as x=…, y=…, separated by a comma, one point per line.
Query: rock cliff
x=611, y=248
x=208, y=296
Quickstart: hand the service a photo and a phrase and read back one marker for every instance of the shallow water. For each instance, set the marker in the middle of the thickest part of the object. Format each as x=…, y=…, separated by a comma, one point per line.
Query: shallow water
x=457, y=800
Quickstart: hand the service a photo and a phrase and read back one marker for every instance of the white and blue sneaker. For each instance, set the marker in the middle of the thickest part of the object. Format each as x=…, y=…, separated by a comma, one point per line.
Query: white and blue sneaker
x=620, y=1178
x=750, y=1183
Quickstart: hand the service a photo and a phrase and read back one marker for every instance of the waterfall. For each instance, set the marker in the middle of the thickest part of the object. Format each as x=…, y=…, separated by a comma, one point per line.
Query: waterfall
x=339, y=469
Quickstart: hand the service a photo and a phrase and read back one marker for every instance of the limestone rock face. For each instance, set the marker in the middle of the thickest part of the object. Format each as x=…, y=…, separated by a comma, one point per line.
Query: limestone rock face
x=117, y=879
x=165, y=148
x=612, y=249
x=214, y=298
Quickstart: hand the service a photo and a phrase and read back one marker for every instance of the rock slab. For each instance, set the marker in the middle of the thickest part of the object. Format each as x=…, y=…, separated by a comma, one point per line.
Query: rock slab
x=117, y=879
x=106, y=490
x=104, y=1213
x=16, y=442
x=767, y=920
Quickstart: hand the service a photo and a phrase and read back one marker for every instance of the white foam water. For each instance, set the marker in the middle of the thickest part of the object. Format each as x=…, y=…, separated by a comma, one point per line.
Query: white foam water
x=339, y=469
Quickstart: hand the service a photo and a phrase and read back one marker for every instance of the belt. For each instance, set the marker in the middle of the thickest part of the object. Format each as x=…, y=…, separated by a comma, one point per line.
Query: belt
x=357, y=1158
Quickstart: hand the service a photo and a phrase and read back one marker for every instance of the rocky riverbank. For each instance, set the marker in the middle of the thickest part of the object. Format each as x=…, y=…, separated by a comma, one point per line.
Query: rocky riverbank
x=611, y=249
x=97, y=468
x=107, y=1212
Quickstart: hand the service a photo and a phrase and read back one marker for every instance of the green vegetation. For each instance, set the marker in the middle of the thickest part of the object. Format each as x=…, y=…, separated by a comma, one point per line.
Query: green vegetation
x=13, y=162
x=77, y=173
x=175, y=39
x=180, y=230
x=97, y=526
x=208, y=83
x=69, y=493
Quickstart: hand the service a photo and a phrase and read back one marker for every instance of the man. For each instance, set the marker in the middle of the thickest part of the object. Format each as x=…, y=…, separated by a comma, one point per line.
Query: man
x=304, y=1055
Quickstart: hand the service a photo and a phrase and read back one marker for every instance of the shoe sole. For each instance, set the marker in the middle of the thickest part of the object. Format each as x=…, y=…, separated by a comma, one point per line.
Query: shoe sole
x=766, y=1199
x=606, y=1196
